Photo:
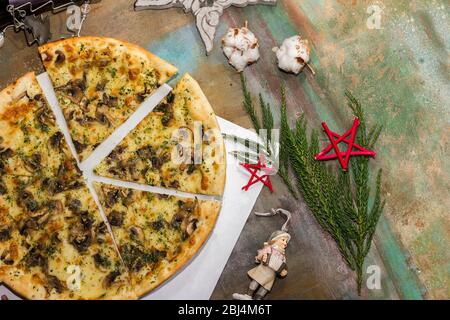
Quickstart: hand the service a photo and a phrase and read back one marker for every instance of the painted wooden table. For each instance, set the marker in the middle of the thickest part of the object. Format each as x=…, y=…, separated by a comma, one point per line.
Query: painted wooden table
x=401, y=74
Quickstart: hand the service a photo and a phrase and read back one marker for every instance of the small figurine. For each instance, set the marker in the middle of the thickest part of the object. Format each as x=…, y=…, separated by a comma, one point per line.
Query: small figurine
x=293, y=55
x=271, y=261
x=240, y=46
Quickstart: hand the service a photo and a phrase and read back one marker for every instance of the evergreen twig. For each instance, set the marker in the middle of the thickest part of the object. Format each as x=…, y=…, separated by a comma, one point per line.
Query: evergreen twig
x=248, y=105
x=340, y=201
x=268, y=125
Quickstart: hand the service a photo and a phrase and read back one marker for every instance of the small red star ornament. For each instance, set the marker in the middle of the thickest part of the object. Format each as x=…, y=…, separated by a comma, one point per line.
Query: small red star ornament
x=254, y=178
x=343, y=156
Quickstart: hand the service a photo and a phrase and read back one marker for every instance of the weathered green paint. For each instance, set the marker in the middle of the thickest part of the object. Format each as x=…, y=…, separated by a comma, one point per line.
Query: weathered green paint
x=401, y=72
x=395, y=261
x=432, y=247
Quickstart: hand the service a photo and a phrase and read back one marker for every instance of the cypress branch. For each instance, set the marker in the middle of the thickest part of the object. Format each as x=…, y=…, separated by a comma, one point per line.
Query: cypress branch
x=248, y=104
x=338, y=200
x=268, y=124
x=267, y=117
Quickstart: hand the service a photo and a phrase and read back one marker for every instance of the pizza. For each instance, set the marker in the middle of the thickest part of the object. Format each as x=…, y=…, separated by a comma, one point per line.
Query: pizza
x=53, y=241
x=61, y=237
x=178, y=145
x=156, y=234
x=99, y=82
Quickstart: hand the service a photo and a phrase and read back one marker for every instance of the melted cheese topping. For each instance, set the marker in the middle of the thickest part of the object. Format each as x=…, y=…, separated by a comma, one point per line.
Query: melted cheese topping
x=149, y=153
x=53, y=241
x=48, y=220
x=155, y=232
x=99, y=82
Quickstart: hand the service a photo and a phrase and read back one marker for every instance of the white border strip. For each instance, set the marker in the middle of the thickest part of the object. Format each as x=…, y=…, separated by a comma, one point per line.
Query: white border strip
x=108, y=145
x=49, y=93
x=143, y=187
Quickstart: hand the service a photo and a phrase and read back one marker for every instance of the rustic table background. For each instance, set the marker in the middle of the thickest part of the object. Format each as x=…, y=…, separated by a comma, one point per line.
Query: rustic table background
x=401, y=74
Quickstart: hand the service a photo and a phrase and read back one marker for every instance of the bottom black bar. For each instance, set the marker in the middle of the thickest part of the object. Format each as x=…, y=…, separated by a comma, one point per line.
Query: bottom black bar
x=267, y=309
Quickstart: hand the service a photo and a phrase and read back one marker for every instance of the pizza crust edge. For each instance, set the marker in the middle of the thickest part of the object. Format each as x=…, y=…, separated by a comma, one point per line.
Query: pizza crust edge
x=13, y=90
x=166, y=68
x=201, y=110
x=210, y=209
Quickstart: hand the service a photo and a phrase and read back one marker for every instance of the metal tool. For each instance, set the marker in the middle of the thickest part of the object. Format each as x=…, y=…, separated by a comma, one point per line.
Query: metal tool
x=26, y=17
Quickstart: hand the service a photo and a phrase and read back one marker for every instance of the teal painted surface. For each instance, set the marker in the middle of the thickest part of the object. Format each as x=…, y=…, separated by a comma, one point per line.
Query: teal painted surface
x=396, y=262
x=185, y=51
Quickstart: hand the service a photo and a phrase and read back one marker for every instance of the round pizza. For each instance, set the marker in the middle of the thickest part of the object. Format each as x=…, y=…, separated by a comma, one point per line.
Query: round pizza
x=62, y=238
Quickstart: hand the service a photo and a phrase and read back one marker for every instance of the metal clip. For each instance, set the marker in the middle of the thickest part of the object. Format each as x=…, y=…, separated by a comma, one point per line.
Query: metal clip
x=37, y=26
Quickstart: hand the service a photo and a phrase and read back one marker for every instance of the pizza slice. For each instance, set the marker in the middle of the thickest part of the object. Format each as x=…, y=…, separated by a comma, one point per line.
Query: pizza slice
x=60, y=249
x=31, y=142
x=178, y=145
x=156, y=234
x=99, y=82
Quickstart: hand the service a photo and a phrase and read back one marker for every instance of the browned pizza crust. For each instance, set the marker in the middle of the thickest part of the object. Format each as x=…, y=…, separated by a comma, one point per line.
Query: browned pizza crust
x=151, y=148
x=156, y=234
x=209, y=212
x=30, y=286
x=13, y=91
x=99, y=83
x=35, y=281
x=167, y=70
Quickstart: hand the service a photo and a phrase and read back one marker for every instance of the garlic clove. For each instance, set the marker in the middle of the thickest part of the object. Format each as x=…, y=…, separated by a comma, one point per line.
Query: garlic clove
x=293, y=54
x=228, y=51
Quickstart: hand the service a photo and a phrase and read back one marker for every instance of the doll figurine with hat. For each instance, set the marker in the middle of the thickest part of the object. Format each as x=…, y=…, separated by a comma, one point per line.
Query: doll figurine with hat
x=271, y=261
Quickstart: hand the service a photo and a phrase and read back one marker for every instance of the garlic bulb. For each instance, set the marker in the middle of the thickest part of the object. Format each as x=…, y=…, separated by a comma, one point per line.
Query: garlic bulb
x=293, y=54
x=240, y=46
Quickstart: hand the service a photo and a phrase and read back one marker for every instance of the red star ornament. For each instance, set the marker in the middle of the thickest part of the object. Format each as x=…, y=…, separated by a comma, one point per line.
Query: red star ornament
x=254, y=178
x=343, y=156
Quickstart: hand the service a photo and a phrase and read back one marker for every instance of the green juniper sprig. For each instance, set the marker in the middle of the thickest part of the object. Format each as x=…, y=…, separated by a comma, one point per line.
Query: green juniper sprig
x=248, y=105
x=266, y=147
x=339, y=200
